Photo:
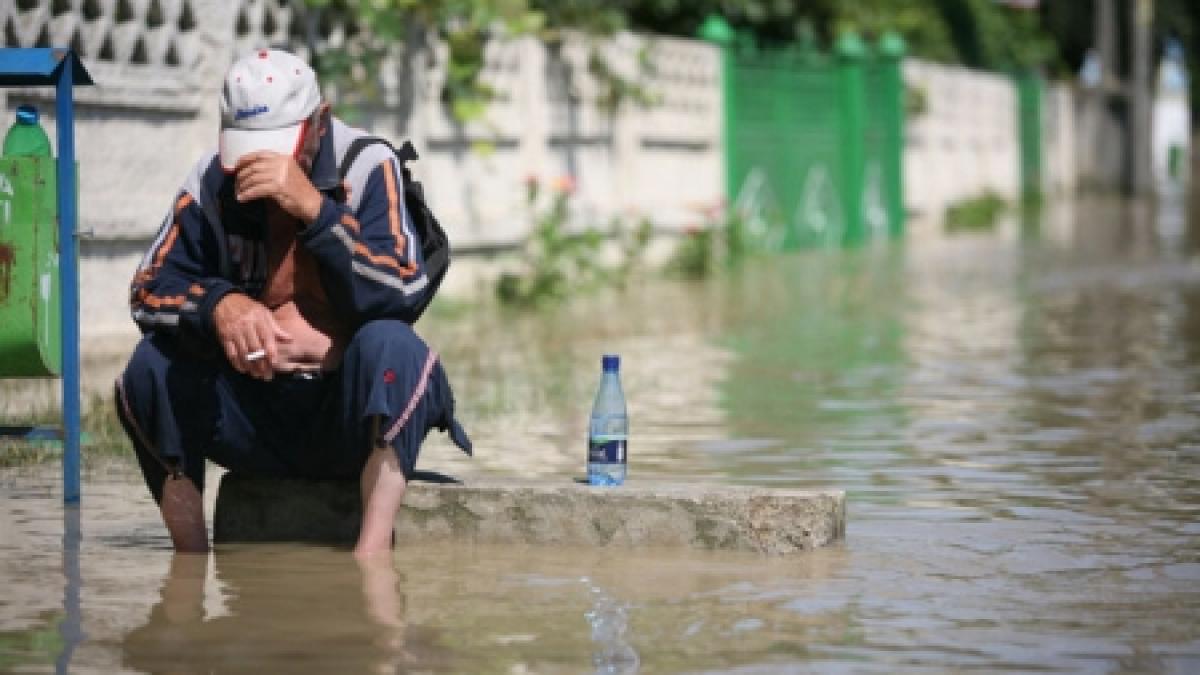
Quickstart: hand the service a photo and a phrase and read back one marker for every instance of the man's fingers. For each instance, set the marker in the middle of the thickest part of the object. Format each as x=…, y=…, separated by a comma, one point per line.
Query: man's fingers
x=266, y=337
x=263, y=332
x=246, y=161
x=254, y=188
x=260, y=368
x=277, y=331
x=246, y=346
x=234, y=356
x=251, y=158
x=254, y=177
x=263, y=369
x=247, y=327
x=247, y=343
x=230, y=350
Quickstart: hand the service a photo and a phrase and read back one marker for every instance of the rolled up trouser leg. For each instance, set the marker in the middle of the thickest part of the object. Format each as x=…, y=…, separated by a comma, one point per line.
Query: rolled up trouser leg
x=164, y=402
x=388, y=372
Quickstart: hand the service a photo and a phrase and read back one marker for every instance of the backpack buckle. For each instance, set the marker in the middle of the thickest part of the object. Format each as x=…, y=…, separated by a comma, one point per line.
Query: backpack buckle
x=407, y=152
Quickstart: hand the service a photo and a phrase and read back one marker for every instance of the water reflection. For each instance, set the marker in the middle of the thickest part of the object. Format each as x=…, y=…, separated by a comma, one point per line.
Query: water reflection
x=609, y=620
x=314, y=611
x=71, y=627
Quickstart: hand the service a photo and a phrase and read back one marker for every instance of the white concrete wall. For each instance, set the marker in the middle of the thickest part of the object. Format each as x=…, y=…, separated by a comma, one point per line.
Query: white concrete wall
x=1060, y=168
x=964, y=143
x=662, y=162
x=967, y=140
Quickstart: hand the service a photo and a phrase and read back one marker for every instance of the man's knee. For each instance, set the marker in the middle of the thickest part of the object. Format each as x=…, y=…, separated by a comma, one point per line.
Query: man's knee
x=158, y=378
x=385, y=334
x=146, y=369
x=384, y=343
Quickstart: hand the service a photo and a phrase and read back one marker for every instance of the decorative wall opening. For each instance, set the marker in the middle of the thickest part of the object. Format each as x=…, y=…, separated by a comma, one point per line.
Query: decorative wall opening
x=141, y=53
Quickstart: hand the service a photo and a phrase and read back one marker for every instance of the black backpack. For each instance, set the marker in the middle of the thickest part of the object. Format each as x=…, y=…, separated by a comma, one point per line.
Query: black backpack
x=435, y=246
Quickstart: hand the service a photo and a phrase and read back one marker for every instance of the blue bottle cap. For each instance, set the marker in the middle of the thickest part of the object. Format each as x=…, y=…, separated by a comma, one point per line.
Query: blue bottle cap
x=611, y=363
x=27, y=114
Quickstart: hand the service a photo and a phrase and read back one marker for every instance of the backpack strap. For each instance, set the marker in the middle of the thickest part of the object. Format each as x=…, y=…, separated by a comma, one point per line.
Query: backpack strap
x=355, y=149
x=405, y=154
x=437, y=259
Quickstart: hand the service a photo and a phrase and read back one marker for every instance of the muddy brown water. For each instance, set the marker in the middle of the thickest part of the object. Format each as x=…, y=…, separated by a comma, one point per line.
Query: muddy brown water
x=1013, y=414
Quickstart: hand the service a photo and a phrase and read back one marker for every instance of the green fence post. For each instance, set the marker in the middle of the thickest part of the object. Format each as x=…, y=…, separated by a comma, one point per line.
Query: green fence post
x=1029, y=129
x=891, y=52
x=717, y=30
x=852, y=121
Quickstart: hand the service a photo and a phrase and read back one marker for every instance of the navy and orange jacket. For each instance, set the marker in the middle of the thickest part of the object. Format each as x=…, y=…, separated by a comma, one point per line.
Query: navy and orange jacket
x=209, y=245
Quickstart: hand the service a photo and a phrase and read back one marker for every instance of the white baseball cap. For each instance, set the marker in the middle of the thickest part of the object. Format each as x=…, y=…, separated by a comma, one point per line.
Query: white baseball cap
x=268, y=97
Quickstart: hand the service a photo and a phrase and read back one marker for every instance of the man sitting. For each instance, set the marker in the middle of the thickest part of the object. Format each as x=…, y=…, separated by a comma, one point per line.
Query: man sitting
x=276, y=304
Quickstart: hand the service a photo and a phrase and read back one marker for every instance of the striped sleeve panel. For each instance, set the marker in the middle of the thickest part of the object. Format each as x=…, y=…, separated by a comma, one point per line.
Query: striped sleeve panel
x=156, y=298
x=386, y=252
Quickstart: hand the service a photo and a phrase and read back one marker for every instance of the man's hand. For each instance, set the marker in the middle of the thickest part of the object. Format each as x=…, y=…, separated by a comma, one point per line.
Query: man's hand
x=245, y=326
x=309, y=348
x=270, y=175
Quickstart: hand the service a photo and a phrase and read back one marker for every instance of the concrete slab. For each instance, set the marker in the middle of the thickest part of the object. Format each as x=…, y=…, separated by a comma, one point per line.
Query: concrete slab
x=771, y=521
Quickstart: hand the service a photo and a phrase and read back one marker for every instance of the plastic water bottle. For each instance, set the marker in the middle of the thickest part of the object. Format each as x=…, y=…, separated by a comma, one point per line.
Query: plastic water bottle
x=26, y=138
x=608, y=432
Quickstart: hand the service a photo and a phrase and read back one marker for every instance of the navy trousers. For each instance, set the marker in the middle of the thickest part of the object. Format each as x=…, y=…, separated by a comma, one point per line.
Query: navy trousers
x=180, y=410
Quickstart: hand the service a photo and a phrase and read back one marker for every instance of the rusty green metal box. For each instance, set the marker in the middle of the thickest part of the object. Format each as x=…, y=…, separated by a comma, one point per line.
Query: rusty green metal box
x=30, y=334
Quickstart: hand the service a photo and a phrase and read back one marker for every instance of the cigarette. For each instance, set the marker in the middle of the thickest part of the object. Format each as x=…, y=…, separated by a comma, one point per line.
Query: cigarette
x=256, y=355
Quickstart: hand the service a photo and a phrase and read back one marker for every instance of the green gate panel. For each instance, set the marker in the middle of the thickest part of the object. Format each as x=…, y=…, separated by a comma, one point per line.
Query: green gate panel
x=783, y=153
x=813, y=141
x=890, y=114
x=30, y=334
x=883, y=134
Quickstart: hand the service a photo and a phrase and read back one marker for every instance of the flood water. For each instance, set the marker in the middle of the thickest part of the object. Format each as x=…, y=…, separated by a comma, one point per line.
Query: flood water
x=1014, y=415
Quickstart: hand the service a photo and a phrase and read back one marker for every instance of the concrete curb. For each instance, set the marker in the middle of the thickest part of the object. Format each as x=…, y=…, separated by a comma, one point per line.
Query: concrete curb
x=715, y=517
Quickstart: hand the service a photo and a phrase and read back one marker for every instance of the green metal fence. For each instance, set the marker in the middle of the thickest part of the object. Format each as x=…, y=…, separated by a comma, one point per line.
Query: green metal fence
x=1029, y=129
x=813, y=140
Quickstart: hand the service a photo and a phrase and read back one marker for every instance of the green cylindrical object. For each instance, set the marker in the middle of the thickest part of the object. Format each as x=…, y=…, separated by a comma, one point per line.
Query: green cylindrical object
x=1029, y=130
x=30, y=332
x=26, y=137
x=891, y=50
x=718, y=31
x=852, y=114
x=1175, y=158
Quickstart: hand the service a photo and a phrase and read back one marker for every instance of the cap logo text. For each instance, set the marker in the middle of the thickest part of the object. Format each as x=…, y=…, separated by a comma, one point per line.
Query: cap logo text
x=244, y=113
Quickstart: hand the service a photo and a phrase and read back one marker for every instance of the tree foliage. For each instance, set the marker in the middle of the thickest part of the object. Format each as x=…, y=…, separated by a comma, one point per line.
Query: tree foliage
x=976, y=33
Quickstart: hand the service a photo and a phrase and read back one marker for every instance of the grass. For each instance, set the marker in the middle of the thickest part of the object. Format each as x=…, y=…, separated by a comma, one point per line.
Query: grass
x=975, y=213
x=102, y=437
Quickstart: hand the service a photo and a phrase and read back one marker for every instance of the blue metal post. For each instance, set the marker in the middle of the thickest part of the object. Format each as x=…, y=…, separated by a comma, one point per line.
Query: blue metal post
x=68, y=266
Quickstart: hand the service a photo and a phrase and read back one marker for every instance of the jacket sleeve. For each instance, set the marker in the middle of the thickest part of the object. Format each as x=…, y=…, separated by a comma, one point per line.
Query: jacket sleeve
x=178, y=283
x=370, y=260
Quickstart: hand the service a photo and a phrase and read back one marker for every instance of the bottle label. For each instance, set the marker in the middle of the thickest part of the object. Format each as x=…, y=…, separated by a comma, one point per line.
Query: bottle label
x=603, y=451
